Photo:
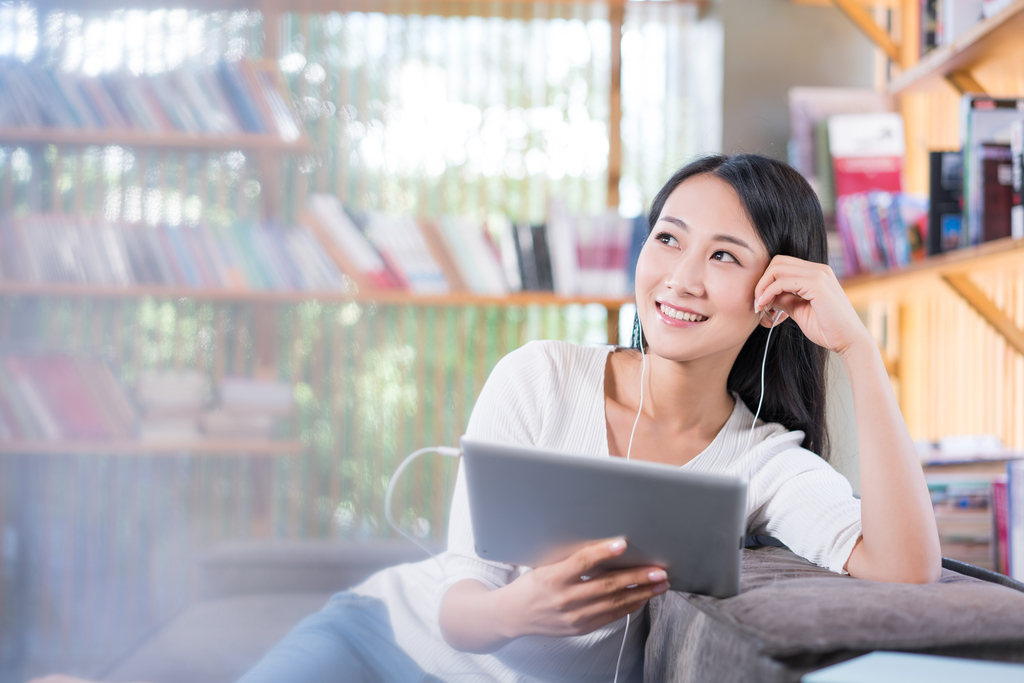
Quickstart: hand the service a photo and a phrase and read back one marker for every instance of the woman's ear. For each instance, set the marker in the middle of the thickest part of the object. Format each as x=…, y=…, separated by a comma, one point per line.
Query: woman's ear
x=768, y=316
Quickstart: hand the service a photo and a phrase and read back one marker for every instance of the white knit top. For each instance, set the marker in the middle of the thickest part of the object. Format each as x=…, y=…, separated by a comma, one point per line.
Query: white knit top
x=550, y=394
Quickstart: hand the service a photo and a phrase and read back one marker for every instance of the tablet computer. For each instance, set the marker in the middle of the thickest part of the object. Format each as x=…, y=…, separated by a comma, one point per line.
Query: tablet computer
x=532, y=507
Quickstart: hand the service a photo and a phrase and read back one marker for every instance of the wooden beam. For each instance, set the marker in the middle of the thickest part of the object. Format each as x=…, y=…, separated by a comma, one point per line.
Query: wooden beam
x=963, y=286
x=616, y=15
x=963, y=81
x=866, y=23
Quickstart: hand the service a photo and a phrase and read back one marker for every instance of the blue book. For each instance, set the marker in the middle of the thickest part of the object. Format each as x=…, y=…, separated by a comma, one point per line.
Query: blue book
x=902, y=667
x=235, y=88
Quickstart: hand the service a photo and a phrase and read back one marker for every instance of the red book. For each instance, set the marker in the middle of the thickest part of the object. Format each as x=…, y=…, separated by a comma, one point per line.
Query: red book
x=65, y=392
x=867, y=152
x=1001, y=526
x=10, y=418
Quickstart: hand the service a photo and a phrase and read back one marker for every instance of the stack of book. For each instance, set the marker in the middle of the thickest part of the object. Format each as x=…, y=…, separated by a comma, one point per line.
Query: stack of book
x=55, y=397
x=570, y=255
x=172, y=402
x=228, y=98
x=978, y=498
x=248, y=408
x=60, y=248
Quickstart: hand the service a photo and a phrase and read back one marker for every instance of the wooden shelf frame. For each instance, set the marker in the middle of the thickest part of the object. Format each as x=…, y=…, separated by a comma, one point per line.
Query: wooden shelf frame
x=287, y=296
x=998, y=38
x=196, y=447
x=85, y=137
x=953, y=270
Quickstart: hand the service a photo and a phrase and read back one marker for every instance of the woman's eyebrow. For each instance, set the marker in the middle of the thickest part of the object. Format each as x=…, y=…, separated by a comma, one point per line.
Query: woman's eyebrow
x=721, y=237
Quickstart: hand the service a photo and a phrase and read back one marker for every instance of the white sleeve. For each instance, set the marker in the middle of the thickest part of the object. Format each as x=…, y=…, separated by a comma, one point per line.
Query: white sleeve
x=509, y=409
x=801, y=500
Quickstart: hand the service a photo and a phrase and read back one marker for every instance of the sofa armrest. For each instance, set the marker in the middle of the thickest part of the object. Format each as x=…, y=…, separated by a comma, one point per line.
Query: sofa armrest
x=251, y=567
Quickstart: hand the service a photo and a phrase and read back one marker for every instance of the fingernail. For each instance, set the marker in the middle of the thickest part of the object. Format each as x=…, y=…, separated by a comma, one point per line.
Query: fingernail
x=757, y=305
x=617, y=546
x=661, y=588
x=657, y=575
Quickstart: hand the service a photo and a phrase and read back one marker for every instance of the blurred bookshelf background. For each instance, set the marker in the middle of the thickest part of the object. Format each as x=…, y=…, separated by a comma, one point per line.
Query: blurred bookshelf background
x=252, y=255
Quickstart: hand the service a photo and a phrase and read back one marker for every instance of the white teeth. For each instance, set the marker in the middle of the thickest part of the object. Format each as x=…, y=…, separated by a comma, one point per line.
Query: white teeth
x=681, y=315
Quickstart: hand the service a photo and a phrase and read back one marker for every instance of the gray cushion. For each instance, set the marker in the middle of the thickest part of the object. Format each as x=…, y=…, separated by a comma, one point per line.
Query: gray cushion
x=792, y=617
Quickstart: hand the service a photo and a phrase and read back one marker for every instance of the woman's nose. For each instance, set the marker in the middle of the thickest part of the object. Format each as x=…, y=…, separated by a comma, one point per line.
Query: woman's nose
x=687, y=275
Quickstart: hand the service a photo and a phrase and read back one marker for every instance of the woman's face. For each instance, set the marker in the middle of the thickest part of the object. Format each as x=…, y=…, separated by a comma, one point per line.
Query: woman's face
x=696, y=273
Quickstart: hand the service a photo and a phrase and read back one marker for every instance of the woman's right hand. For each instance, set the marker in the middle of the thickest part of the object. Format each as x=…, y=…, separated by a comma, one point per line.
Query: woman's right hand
x=554, y=600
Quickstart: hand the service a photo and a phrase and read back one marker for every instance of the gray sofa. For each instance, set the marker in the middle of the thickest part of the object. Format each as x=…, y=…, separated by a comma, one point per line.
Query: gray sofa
x=790, y=617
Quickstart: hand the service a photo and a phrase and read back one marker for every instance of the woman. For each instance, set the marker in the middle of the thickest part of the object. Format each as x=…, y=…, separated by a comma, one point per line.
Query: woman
x=736, y=244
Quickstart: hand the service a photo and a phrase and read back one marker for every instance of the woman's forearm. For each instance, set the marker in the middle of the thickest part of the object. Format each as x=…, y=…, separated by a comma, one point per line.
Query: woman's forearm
x=473, y=618
x=900, y=541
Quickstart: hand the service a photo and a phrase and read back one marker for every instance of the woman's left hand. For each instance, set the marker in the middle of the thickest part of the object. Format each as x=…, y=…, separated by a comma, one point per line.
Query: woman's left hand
x=811, y=295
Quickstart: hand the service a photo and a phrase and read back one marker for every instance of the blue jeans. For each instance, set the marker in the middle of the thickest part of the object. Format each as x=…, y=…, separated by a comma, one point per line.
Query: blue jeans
x=350, y=640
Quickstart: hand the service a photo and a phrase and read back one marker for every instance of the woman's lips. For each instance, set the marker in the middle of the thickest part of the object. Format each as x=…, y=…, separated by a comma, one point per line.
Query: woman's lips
x=671, y=315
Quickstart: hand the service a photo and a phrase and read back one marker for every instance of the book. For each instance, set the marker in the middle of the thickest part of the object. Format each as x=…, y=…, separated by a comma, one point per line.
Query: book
x=1001, y=526
x=400, y=242
x=1017, y=178
x=958, y=16
x=996, y=191
x=867, y=152
x=1015, y=526
x=219, y=422
x=229, y=98
x=172, y=390
x=945, y=192
x=247, y=395
x=346, y=244
x=983, y=120
x=444, y=254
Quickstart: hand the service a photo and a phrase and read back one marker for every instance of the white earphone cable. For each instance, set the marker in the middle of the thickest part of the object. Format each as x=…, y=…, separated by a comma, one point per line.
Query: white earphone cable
x=760, y=400
x=629, y=450
x=443, y=450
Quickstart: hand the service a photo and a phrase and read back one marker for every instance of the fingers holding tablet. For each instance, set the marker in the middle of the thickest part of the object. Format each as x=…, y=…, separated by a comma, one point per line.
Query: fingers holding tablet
x=556, y=600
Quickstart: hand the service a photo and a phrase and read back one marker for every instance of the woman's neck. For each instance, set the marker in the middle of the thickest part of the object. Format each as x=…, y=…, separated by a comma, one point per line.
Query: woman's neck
x=680, y=397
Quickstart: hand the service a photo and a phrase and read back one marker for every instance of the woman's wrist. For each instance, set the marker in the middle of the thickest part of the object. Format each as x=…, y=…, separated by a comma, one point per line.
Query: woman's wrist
x=863, y=349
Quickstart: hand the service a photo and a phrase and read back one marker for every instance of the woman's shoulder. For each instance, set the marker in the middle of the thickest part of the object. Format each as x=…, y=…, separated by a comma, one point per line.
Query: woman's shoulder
x=553, y=356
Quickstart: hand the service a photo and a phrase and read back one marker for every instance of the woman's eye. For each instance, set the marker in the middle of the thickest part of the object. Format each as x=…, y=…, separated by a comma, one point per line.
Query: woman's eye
x=666, y=239
x=724, y=256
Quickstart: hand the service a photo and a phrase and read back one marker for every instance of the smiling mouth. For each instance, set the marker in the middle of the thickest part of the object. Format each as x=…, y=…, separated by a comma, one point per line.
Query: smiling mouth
x=681, y=315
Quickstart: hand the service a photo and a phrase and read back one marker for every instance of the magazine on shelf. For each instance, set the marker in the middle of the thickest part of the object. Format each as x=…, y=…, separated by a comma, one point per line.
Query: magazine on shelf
x=984, y=120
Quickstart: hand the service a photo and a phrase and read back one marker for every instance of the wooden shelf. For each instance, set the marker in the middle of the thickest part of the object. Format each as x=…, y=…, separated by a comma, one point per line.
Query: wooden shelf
x=1000, y=37
x=862, y=289
x=234, y=447
x=384, y=297
x=141, y=138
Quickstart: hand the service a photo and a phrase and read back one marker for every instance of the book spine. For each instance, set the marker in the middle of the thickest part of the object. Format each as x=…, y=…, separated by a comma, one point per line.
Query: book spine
x=1000, y=526
x=234, y=88
x=46, y=424
x=1017, y=178
x=1015, y=491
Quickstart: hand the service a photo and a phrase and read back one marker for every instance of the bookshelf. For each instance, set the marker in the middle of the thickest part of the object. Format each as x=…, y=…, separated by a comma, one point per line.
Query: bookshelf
x=231, y=447
x=165, y=139
x=953, y=325
x=996, y=39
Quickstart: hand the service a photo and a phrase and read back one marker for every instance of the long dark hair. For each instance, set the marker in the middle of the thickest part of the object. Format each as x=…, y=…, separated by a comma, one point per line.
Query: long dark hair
x=786, y=214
